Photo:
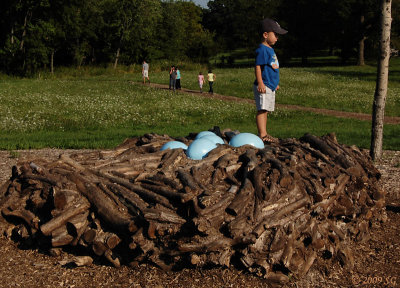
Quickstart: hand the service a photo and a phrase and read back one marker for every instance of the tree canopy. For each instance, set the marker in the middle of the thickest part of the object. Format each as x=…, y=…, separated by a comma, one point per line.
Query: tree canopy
x=37, y=34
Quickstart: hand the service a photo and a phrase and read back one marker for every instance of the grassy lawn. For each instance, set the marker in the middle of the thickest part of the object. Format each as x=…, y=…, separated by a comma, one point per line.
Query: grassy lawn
x=345, y=88
x=99, y=109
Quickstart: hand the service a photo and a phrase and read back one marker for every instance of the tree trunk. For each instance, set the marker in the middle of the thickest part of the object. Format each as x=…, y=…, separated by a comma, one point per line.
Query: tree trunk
x=119, y=48
x=27, y=19
x=21, y=45
x=52, y=62
x=12, y=34
x=381, y=81
x=361, y=60
x=116, y=58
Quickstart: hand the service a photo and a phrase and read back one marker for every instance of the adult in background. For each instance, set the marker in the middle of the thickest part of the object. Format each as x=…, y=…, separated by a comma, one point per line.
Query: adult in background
x=211, y=78
x=178, y=78
x=172, y=78
x=145, y=72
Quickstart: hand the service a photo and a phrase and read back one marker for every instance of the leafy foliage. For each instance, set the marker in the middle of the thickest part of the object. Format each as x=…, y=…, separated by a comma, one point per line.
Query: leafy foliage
x=37, y=34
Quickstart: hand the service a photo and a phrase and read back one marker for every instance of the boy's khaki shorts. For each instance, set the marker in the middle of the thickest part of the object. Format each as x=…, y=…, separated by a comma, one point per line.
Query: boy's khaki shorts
x=145, y=73
x=264, y=101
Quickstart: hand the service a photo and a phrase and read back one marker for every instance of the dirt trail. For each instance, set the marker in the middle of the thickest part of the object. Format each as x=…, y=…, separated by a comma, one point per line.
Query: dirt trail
x=334, y=113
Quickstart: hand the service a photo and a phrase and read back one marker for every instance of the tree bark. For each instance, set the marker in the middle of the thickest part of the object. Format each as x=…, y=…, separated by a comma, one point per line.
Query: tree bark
x=12, y=36
x=361, y=60
x=52, y=62
x=27, y=18
x=116, y=58
x=381, y=81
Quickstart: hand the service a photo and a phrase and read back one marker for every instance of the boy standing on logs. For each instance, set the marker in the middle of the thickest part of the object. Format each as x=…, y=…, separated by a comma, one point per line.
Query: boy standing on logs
x=267, y=76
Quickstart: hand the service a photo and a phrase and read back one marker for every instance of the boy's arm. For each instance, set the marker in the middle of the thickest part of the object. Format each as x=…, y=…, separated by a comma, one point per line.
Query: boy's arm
x=260, y=83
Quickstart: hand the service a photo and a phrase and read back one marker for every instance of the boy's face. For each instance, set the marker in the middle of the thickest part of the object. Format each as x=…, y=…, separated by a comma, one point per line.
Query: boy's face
x=270, y=38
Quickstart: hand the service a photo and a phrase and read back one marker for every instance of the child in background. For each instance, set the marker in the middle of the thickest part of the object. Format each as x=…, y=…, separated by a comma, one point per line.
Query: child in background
x=267, y=76
x=201, y=81
x=145, y=72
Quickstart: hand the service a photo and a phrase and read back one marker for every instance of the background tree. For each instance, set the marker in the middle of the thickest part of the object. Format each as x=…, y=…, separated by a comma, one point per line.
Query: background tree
x=236, y=23
x=23, y=17
x=37, y=34
x=144, y=37
x=308, y=30
x=118, y=19
x=8, y=38
x=181, y=34
x=395, y=29
x=131, y=28
x=197, y=46
x=171, y=32
x=361, y=31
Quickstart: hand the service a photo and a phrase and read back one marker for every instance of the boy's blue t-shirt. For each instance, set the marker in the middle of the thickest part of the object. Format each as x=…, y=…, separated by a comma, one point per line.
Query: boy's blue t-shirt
x=266, y=58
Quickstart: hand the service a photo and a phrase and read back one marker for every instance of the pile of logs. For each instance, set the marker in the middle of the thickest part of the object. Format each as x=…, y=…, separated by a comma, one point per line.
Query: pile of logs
x=271, y=211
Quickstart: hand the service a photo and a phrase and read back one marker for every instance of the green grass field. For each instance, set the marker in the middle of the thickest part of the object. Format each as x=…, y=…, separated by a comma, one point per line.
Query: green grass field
x=99, y=108
x=348, y=88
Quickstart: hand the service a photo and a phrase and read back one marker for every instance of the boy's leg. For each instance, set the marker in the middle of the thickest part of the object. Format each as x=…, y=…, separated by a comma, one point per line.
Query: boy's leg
x=265, y=102
x=261, y=121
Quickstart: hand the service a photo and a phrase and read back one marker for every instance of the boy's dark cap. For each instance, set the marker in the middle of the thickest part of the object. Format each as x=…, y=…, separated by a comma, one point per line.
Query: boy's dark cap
x=269, y=25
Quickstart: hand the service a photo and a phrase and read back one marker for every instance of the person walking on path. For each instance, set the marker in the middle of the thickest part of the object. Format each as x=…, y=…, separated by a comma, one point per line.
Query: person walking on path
x=145, y=72
x=267, y=76
x=172, y=78
x=211, y=78
x=178, y=78
x=201, y=81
